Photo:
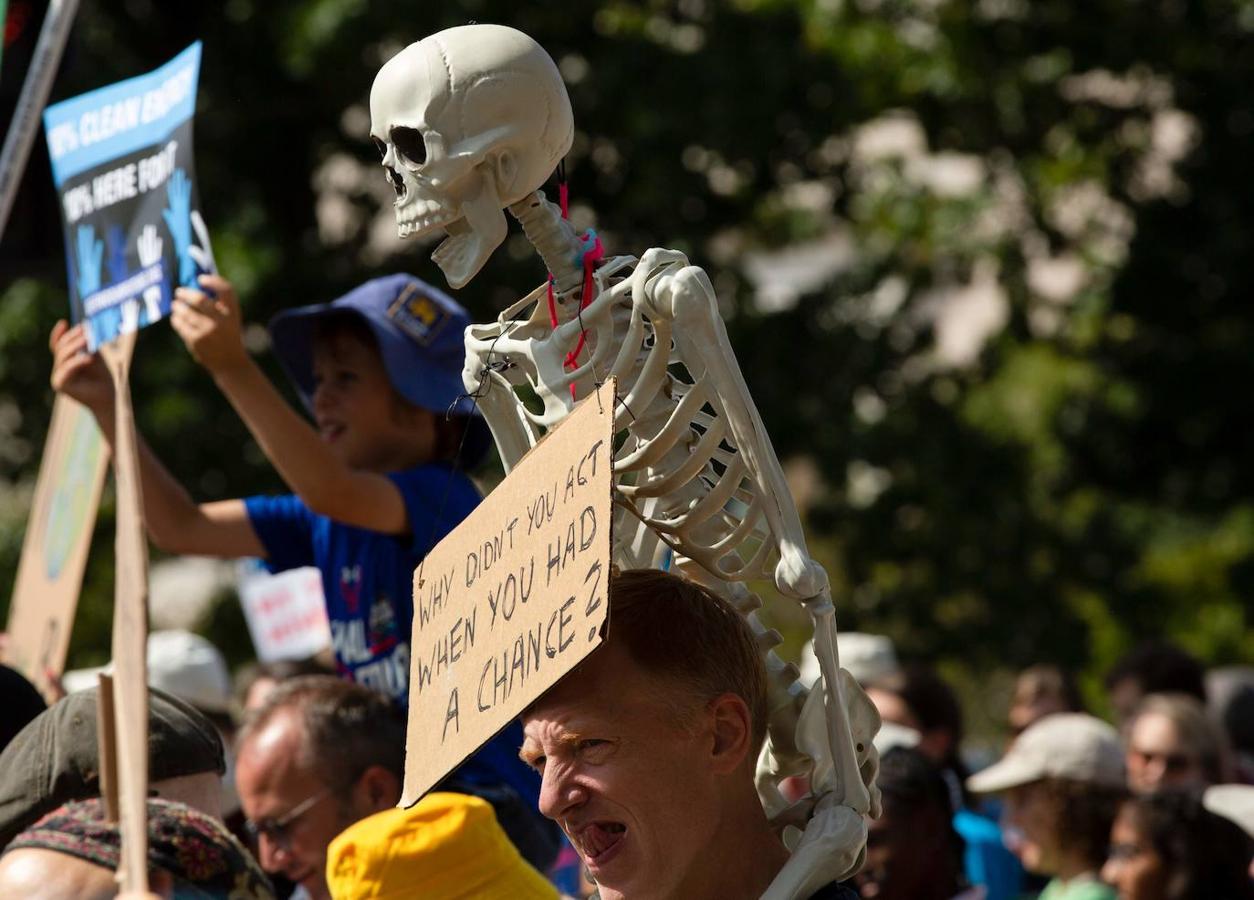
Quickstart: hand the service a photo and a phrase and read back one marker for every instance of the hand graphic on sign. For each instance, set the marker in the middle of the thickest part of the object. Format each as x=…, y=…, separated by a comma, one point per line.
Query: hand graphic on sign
x=148, y=247
x=90, y=253
x=178, y=219
x=116, y=240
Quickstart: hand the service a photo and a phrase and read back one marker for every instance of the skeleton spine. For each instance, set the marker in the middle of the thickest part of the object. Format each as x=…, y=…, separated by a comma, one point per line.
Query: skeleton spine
x=556, y=242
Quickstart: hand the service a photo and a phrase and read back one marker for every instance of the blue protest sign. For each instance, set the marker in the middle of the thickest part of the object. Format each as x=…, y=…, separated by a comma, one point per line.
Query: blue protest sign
x=124, y=172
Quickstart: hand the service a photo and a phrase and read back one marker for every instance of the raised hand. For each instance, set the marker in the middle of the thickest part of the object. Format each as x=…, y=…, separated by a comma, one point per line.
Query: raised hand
x=178, y=219
x=90, y=253
x=76, y=372
x=210, y=326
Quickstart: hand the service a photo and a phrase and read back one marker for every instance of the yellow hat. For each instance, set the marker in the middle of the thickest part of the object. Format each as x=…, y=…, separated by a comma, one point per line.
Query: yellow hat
x=445, y=847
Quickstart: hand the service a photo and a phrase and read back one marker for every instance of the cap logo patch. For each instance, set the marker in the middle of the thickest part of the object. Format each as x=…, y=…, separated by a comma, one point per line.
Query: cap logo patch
x=418, y=315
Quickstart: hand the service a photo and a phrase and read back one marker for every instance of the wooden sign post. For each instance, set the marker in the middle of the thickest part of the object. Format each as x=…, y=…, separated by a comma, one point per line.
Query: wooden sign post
x=130, y=631
x=54, y=550
x=513, y=598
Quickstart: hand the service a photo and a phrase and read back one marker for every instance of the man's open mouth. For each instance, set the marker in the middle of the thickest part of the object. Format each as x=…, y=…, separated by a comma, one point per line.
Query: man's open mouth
x=598, y=841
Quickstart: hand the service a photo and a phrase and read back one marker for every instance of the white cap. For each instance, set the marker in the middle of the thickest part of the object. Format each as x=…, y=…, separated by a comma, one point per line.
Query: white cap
x=867, y=657
x=1235, y=802
x=180, y=663
x=189, y=667
x=1075, y=746
x=892, y=736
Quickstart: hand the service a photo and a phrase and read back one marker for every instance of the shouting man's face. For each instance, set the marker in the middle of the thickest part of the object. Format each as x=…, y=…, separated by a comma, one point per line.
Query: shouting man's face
x=623, y=755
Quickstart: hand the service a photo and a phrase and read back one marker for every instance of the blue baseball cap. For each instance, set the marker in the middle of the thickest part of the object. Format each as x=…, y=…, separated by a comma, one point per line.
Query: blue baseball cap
x=419, y=330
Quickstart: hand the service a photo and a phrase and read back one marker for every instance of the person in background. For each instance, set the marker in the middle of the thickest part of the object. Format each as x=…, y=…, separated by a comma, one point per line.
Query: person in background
x=1167, y=846
x=322, y=753
x=22, y=703
x=376, y=480
x=1153, y=667
x=913, y=851
x=647, y=749
x=1039, y=691
x=73, y=854
x=1062, y=781
x=445, y=847
x=55, y=759
x=919, y=699
x=1173, y=743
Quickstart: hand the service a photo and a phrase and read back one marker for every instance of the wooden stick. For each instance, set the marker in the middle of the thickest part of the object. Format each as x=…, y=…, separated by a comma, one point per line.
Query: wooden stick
x=107, y=746
x=130, y=629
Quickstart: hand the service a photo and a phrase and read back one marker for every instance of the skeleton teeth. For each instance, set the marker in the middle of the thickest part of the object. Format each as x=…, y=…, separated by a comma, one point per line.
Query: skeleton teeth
x=422, y=215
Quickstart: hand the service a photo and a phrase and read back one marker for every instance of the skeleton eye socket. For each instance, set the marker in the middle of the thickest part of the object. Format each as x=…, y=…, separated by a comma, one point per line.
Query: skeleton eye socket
x=380, y=146
x=410, y=145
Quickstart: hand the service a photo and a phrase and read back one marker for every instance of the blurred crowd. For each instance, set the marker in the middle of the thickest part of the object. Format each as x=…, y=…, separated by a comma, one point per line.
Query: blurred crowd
x=284, y=782
x=1156, y=804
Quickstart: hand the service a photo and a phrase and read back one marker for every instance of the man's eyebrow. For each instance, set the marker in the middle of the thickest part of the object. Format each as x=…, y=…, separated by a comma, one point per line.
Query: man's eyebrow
x=566, y=738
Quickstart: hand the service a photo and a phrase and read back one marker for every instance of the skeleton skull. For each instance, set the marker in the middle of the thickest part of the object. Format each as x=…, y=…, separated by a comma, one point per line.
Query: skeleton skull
x=469, y=121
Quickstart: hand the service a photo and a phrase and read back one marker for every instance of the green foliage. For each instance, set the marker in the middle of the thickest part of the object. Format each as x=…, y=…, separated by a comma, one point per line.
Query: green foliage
x=1072, y=178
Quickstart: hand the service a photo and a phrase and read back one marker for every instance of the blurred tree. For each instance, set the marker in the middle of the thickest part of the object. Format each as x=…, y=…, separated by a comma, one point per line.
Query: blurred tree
x=984, y=263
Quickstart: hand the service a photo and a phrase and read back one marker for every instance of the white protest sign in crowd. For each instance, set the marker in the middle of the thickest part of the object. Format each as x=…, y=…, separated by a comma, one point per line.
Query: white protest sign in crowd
x=286, y=613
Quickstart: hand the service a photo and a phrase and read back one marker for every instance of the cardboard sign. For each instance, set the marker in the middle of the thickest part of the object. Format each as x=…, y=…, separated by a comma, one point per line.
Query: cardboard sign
x=286, y=612
x=513, y=598
x=125, y=176
x=54, y=551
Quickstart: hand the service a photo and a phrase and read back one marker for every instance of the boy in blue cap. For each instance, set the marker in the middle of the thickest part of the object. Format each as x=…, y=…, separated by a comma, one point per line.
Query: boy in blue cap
x=377, y=481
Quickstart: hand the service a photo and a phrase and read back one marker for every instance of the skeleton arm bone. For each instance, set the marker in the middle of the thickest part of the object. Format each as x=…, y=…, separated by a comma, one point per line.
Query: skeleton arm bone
x=700, y=336
x=687, y=298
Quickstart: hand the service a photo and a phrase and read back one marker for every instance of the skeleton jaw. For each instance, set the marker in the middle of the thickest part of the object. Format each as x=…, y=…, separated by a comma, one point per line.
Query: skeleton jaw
x=473, y=236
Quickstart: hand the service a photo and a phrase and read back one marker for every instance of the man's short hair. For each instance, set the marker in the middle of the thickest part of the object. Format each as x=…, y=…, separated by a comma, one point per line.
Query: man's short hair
x=347, y=727
x=685, y=633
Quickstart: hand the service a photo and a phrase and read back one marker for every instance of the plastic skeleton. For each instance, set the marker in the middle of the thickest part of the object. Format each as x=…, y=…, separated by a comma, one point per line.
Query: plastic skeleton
x=470, y=122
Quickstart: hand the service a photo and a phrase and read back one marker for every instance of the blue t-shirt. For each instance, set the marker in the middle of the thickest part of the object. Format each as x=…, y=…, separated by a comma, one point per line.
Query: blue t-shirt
x=986, y=860
x=368, y=579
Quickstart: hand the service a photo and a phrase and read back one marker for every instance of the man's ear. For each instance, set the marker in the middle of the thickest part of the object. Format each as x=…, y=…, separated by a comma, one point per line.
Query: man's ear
x=376, y=790
x=732, y=727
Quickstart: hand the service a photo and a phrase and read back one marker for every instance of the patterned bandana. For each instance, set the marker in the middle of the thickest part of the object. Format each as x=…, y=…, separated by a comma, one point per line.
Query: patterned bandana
x=204, y=858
